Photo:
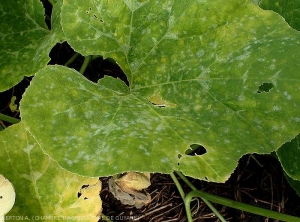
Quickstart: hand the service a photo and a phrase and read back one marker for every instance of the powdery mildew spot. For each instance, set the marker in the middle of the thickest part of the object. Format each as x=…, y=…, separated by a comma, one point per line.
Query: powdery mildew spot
x=287, y=95
x=164, y=160
x=28, y=148
x=276, y=108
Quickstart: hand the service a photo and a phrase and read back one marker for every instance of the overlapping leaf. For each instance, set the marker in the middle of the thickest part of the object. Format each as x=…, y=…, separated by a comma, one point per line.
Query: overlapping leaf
x=289, y=156
x=25, y=39
x=44, y=191
x=224, y=75
x=295, y=184
x=289, y=153
x=290, y=10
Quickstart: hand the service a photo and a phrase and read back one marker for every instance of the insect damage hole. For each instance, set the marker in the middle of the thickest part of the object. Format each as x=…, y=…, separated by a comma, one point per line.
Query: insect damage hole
x=265, y=87
x=179, y=157
x=82, y=187
x=195, y=150
x=88, y=12
x=94, y=15
x=90, y=9
x=158, y=101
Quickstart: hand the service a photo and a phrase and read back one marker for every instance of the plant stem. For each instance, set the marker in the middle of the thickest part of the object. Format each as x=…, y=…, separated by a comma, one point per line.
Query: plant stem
x=182, y=194
x=187, y=201
x=233, y=204
x=86, y=62
x=72, y=59
x=9, y=119
x=96, y=56
x=186, y=180
x=179, y=187
x=52, y=2
x=241, y=206
x=103, y=217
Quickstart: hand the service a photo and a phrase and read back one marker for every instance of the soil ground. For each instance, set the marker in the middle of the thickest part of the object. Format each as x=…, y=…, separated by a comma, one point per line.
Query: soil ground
x=258, y=181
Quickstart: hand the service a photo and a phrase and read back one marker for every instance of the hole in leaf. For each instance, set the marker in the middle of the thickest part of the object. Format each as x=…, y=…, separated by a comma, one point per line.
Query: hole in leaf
x=95, y=16
x=179, y=157
x=84, y=186
x=265, y=87
x=158, y=105
x=206, y=178
x=195, y=150
x=85, y=198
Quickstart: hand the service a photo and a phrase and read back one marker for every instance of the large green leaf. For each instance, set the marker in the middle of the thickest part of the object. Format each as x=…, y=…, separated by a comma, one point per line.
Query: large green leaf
x=295, y=184
x=289, y=156
x=44, y=191
x=25, y=39
x=289, y=153
x=290, y=10
x=224, y=75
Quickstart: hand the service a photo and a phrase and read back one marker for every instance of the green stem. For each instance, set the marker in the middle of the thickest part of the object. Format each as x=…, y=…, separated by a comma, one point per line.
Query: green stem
x=96, y=57
x=187, y=200
x=241, y=206
x=103, y=217
x=179, y=187
x=52, y=2
x=9, y=119
x=186, y=180
x=86, y=62
x=182, y=194
x=187, y=203
x=234, y=204
x=72, y=59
